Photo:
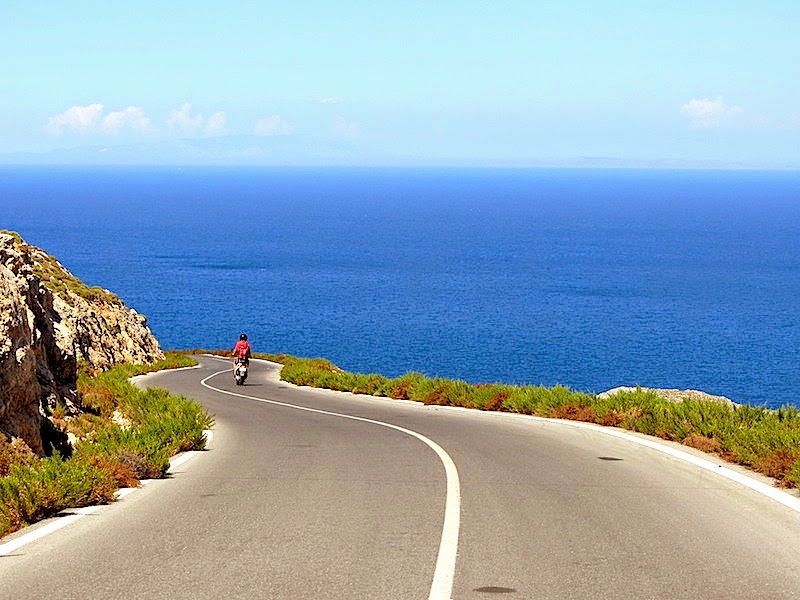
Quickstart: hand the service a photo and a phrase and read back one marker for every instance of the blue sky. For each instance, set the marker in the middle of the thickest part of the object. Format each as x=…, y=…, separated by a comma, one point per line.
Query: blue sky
x=496, y=83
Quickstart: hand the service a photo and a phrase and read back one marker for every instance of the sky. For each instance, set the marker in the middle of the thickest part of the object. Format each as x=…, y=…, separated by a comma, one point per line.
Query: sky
x=509, y=82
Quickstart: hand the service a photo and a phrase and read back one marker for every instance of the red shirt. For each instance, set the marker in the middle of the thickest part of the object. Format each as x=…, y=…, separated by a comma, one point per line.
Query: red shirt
x=242, y=349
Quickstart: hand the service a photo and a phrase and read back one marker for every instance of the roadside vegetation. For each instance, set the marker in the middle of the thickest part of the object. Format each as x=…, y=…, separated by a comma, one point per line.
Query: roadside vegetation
x=124, y=435
x=764, y=440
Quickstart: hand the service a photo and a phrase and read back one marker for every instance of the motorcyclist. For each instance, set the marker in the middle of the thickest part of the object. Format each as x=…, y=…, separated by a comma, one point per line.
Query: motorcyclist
x=241, y=350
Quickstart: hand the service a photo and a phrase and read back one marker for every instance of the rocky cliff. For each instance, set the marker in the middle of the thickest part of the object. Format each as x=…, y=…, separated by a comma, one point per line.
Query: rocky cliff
x=49, y=321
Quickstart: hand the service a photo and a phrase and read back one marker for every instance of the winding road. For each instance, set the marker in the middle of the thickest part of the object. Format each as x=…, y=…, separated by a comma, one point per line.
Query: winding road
x=312, y=494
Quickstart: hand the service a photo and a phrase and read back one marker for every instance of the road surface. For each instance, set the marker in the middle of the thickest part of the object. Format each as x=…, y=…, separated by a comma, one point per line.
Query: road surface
x=311, y=494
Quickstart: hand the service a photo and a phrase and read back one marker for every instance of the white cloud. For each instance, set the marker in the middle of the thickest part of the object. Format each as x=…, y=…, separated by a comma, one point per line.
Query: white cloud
x=345, y=129
x=709, y=114
x=330, y=100
x=90, y=119
x=273, y=125
x=132, y=117
x=78, y=119
x=216, y=124
x=182, y=121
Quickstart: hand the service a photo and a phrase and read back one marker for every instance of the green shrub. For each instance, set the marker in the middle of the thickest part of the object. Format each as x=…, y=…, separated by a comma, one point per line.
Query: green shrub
x=29, y=494
x=400, y=387
x=115, y=446
x=793, y=478
x=161, y=425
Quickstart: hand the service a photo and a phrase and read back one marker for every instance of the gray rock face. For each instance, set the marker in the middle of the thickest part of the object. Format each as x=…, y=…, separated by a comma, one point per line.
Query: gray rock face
x=50, y=320
x=673, y=395
x=20, y=391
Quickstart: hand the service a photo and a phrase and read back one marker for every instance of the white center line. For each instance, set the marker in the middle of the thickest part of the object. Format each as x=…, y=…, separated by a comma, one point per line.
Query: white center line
x=442, y=585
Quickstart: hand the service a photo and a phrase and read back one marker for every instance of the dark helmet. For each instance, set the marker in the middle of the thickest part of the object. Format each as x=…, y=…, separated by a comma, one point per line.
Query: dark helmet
x=243, y=337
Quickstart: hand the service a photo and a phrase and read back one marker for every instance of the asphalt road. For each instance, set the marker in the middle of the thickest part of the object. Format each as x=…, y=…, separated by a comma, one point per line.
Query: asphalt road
x=355, y=498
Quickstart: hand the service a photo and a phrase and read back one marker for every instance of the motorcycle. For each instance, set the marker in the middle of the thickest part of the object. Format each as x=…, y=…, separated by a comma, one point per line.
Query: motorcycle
x=240, y=371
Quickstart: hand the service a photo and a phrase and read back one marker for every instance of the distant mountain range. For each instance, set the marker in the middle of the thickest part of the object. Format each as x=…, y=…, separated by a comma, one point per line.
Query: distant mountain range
x=297, y=150
x=223, y=150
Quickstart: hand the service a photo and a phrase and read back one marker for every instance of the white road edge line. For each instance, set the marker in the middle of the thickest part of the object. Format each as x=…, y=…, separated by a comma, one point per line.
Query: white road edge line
x=771, y=492
x=744, y=479
x=53, y=526
x=70, y=515
x=442, y=585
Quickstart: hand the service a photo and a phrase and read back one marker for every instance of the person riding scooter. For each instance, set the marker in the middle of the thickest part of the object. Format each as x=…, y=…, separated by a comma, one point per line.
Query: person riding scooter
x=241, y=360
x=241, y=350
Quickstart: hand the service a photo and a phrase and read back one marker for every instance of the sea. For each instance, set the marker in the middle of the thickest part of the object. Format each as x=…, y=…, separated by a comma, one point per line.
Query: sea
x=588, y=278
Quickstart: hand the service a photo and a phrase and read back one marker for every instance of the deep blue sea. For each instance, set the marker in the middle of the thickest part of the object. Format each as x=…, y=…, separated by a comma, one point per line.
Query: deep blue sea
x=587, y=278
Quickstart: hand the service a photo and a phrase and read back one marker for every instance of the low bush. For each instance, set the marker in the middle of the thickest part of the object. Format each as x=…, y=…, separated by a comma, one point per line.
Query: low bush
x=14, y=452
x=31, y=493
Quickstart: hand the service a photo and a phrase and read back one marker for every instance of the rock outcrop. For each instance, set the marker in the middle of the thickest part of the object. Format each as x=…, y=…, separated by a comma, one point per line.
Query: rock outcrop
x=673, y=395
x=49, y=321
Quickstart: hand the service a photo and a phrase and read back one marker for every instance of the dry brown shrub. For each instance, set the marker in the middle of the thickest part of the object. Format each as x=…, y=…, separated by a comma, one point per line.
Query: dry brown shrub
x=320, y=364
x=702, y=443
x=613, y=418
x=15, y=452
x=122, y=473
x=400, y=390
x=665, y=435
x=778, y=465
x=466, y=401
x=496, y=401
x=60, y=424
x=436, y=396
x=136, y=463
x=574, y=412
x=84, y=425
x=634, y=413
x=98, y=399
